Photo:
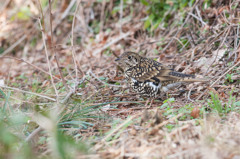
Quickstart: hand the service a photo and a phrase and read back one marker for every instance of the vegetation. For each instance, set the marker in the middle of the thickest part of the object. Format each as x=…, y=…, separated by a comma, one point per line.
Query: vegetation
x=62, y=95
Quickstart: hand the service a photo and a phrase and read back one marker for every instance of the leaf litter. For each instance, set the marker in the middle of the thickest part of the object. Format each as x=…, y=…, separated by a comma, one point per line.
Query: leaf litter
x=169, y=132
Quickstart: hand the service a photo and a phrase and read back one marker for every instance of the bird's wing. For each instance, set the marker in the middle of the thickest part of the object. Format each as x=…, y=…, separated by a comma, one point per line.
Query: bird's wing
x=157, y=72
x=154, y=73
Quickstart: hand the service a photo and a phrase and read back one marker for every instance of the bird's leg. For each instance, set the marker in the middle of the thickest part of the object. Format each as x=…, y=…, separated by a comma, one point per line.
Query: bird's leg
x=151, y=102
x=146, y=104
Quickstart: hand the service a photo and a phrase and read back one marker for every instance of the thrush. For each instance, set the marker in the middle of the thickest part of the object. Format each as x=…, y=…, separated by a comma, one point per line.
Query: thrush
x=148, y=77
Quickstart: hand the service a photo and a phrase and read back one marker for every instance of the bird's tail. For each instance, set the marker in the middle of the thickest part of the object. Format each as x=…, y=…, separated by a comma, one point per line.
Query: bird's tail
x=194, y=80
x=186, y=77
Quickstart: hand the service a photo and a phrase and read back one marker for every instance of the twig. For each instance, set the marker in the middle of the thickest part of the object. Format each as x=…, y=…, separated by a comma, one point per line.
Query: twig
x=121, y=15
x=72, y=44
x=112, y=85
x=219, y=78
x=120, y=102
x=49, y=67
x=236, y=46
x=199, y=15
x=189, y=94
x=52, y=48
x=64, y=101
x=178, y=41
x=34, y=132
x=225, y=73
x=124, y=35
x=65, y=13
x=39, y=95
x=72, y=90
x=102, y=14
x=200, y=19
x=22, y=60
x=164, y=49
x=227, y=32
x=41, y=11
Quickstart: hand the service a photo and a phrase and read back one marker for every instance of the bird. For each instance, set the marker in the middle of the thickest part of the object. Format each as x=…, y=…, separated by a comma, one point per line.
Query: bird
x=149, y=78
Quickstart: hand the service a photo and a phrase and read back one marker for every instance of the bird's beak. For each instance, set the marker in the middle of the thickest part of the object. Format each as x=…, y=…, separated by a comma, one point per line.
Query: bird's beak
x=117, y=59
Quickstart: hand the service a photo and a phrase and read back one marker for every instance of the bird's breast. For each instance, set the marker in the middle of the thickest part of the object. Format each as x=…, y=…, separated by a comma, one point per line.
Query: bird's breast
x=146, y=88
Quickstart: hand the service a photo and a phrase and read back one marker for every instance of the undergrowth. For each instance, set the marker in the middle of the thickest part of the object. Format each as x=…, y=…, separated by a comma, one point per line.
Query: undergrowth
x=62, y=96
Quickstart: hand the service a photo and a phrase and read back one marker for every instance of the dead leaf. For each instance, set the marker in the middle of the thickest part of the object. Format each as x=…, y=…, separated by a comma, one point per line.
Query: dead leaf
x=204, y=63
x=2, y=82
x=195, y=112
x=119, y=78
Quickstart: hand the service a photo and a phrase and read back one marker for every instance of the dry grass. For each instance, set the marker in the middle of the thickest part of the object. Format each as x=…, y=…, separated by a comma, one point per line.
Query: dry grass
x=57, y=66
x=210, y=137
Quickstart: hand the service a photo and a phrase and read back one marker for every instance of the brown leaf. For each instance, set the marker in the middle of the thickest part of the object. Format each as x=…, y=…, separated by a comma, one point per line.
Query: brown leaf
x=161, y=56
x=195, y=112
x=118, y=78
x=133, y=132
x=224, y=8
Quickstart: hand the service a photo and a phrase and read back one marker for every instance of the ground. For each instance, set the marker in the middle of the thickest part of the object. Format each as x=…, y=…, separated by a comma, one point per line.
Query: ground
x=62, y=95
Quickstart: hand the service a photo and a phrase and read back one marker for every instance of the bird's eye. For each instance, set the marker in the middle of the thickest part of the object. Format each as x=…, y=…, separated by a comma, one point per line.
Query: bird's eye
x=129, y=57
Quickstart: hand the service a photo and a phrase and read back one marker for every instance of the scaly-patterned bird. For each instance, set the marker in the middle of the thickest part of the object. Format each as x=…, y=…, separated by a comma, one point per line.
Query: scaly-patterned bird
x=148, y=77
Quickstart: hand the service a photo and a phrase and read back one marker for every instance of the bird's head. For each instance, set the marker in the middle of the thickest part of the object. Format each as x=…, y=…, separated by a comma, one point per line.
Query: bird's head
x=128, y=60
